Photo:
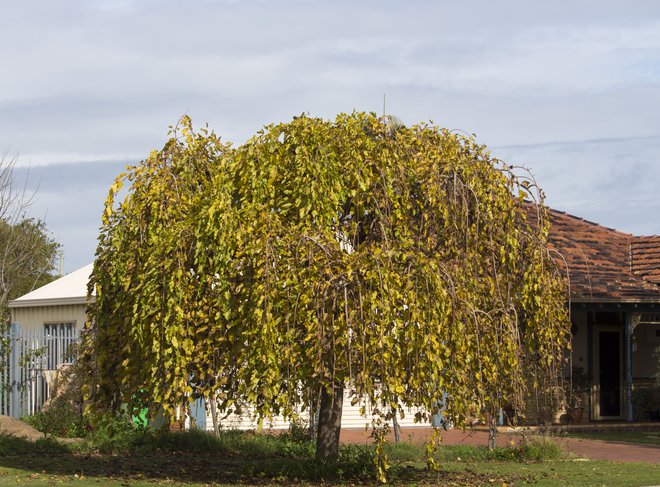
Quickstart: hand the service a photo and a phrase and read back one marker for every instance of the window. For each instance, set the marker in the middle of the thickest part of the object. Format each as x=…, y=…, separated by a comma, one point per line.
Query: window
x=58, y=339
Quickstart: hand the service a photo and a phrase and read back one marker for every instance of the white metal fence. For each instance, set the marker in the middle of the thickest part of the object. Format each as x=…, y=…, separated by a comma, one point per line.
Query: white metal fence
x=29, y=361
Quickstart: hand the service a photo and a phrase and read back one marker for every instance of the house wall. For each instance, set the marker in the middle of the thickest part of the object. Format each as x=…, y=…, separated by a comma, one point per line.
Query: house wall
x=34, y=317
x=580, y=340
x=350, y=418
x=646, y=339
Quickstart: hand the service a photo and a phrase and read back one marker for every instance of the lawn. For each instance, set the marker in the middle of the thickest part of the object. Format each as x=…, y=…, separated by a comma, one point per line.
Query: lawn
x=636, y=437
x=250, y=459
x=198, y=470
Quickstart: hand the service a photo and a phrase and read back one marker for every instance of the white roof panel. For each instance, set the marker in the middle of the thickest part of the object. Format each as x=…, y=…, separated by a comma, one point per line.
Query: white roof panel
x=69, y=289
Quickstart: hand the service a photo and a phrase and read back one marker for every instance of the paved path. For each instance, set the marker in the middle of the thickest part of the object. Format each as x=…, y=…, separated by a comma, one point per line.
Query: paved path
x=592, y=449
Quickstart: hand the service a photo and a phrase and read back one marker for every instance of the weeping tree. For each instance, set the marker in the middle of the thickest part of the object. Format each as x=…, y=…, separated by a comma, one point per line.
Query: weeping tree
x=320, y=260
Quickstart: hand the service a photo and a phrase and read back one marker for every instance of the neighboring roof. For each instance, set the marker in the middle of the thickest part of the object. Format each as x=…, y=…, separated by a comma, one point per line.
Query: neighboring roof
x=70, y=289
x=603, y=264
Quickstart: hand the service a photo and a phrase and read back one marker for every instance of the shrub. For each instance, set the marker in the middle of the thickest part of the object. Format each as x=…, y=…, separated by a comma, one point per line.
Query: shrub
x=643, y=404
x=117, y=433
x=540, y=448
x=58, y=421
x=299, y=431
x=354, y=462
x=62, y=414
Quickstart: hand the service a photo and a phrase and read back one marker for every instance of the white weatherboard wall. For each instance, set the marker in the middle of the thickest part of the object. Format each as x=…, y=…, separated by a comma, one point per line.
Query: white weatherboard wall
x=35, y=317
x=61, y=301
x=350, y=419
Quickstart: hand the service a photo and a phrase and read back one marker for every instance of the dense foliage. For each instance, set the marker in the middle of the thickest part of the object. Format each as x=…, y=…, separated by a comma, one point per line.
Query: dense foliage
x=398, y=262
x=27, y=251
x=28, y=257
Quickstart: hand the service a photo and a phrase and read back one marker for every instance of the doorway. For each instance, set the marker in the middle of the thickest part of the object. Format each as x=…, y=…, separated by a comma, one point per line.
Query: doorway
x=608, y=373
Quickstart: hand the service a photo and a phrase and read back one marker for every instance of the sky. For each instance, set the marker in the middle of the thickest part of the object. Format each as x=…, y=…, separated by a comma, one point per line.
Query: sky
x=568, y=89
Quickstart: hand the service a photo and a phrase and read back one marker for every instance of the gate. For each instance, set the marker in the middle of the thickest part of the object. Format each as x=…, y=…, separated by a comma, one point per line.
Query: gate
x=29, y=363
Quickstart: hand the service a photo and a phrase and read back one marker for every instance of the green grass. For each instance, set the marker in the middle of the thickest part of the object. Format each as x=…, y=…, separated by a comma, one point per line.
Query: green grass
x=565, y=473
x=139, y=458
x=201, y=470
x=635, y=437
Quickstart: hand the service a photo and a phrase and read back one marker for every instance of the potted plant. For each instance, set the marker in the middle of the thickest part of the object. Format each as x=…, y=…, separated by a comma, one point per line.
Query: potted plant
x=576, y=389
x=645, y=404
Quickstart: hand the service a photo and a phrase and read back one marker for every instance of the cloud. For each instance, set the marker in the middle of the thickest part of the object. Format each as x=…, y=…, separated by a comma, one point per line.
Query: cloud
x=610, y=181
x=69, y=198
x=102, y=80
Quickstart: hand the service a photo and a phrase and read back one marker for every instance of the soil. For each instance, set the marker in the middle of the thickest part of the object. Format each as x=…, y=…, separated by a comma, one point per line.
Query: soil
x=17, y=428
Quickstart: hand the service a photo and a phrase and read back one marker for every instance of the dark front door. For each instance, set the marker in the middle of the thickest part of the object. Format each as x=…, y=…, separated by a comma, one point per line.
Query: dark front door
x=609, y=346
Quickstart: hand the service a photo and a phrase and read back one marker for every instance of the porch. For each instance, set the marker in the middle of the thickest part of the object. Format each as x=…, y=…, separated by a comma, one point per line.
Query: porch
x=614, y=343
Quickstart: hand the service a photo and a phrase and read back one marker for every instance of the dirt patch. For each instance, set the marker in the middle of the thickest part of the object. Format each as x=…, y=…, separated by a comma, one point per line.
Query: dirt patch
x=17, y=428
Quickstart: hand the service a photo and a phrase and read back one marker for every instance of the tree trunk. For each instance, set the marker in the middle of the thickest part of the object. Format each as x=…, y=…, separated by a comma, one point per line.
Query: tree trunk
x=327, y=440
x=214, y=416
x=492, y=431
x=397, y=428
x=312, y=421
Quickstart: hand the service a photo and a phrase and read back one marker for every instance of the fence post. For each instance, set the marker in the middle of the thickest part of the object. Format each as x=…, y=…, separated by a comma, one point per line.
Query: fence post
x=14, y=399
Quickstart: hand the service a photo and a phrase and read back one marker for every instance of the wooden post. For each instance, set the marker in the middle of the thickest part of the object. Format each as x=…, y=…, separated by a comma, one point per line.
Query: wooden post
x=628, y=355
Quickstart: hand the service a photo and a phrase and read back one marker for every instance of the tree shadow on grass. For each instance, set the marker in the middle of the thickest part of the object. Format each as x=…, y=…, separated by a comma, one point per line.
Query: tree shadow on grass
x=183, y=467
x=52, y=458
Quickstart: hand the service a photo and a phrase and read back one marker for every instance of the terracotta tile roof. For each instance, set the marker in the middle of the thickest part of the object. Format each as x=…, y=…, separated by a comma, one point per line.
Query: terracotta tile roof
x=646, y=257
x=603, y=264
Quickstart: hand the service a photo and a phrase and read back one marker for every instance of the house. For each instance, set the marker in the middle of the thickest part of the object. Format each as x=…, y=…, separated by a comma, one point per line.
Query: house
x=614, y=286
x=45, y=325
x=56, y=307
x=614, y=283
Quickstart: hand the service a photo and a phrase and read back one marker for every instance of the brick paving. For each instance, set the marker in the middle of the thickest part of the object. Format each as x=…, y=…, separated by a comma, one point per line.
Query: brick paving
x=592, y=449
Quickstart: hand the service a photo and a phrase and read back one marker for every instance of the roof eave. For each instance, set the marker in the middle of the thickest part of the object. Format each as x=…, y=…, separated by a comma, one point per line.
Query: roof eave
x=28, y=303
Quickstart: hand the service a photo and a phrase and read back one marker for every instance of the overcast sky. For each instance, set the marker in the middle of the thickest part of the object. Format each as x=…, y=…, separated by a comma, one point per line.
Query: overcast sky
x=570, y=89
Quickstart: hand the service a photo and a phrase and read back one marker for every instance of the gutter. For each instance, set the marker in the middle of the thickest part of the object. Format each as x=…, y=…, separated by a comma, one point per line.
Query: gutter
x=26, y=303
